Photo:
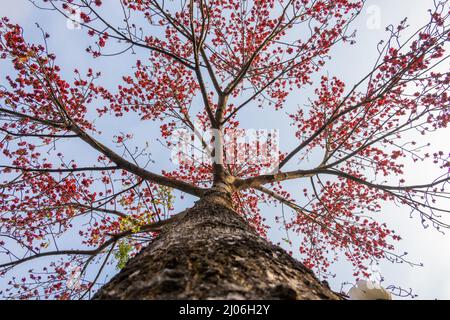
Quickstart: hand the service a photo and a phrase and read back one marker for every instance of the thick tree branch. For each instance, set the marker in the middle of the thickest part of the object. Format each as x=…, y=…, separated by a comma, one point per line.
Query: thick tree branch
x=153, y=227
x=290, y=175
x=59, y=170
x=131, y=167
x=37, y=135
x=114, y=157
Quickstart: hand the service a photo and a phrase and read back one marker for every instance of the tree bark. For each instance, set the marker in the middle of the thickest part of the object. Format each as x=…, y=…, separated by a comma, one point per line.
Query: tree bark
x=213, y=253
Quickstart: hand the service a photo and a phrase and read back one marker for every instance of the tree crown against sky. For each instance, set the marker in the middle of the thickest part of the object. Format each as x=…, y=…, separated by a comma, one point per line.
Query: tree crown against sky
x=206, y=62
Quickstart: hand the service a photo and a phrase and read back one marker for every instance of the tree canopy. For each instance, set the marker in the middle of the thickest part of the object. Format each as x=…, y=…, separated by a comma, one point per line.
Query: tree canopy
x=206, y=61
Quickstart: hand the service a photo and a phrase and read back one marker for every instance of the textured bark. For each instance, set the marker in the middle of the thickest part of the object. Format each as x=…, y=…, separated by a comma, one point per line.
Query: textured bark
x=212, y=253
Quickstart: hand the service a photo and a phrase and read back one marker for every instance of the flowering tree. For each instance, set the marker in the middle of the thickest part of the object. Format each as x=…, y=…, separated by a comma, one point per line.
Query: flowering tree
x=206, y=60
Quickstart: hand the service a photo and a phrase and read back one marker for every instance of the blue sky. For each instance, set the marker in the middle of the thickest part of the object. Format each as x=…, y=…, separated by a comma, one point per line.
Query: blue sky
x=349, y=63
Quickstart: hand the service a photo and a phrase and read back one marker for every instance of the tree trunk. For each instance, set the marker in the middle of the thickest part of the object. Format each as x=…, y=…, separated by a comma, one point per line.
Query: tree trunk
x=212, y=253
